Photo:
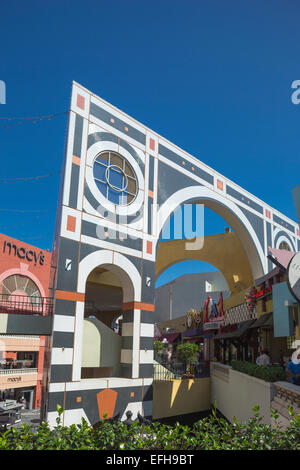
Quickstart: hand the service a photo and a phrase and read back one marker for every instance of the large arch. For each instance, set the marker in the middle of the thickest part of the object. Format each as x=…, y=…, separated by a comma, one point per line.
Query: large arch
x=223, y=251
x=226, y=209
x=131, y=283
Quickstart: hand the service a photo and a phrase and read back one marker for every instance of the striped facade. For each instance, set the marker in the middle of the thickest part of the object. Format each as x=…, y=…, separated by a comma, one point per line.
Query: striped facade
x=92, y=232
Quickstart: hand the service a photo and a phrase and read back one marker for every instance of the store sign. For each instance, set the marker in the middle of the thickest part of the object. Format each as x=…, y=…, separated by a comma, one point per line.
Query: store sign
x=213, y=325
x=14, y=379
x=23, y=253
x=263, y=292
x=293, y=276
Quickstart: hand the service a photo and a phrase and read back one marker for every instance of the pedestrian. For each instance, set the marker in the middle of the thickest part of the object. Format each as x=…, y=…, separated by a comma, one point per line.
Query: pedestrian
x=263, y=359
x=293, y=368
x=169, y=356
x=165, y=356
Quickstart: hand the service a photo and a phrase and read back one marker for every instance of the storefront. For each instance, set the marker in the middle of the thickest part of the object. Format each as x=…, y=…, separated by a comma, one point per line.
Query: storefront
x=236, y=342
x=24, y=290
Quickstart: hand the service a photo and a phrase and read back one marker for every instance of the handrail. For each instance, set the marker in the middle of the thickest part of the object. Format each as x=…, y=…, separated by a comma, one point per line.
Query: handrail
x=27, y=370
x=24, y=305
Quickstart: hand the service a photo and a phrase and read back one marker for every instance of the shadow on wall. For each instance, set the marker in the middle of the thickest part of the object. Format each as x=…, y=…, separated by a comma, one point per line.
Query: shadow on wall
x=178, y=397
x=101, y=350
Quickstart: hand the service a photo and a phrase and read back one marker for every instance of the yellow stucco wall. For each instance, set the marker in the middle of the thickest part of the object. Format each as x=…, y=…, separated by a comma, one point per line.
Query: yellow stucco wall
x=224, y=251
x=177, y=397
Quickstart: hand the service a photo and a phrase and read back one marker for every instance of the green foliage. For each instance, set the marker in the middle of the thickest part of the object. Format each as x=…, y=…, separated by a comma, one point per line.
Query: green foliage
x=211, y=433
x=267, y=373
x=158, y=347
x=187, y=352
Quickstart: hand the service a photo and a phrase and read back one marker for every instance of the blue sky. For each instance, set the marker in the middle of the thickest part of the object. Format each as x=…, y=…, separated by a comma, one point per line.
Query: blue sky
x=213, y=77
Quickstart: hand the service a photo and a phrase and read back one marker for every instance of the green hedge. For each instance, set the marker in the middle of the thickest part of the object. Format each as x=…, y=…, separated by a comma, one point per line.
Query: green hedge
x=212, y=433
x=267, y=373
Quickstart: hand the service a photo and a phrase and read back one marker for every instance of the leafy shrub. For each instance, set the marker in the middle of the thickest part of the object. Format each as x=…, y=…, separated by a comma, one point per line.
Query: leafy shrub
x=187, y=352
x=267, y=373
x=211, y=433
x=158, y=347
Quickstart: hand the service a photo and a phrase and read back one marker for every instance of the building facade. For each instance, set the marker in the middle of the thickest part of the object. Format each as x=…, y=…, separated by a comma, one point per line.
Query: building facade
x=24, y=293
x=174, y=299
x=121, y=182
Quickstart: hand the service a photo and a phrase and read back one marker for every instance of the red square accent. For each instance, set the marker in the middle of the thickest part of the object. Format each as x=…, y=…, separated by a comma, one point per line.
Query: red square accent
x=220, y=185
x=71, y=223
x=268, y=214
x=152, y=144
x=149, y=247
x=80, y=102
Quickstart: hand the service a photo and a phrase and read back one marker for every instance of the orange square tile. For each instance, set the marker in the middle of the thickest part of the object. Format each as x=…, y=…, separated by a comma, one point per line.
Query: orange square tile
x=152, y=144
x=71, y=223
x=220, y=185
x=149, y=247
x=80, y=101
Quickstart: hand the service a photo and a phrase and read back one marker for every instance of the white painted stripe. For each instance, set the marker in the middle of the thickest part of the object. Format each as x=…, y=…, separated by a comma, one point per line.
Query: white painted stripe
x=68, y=417
x=136, y=343
x=66, y=211
x=126, y=356
x=68, y=161
x=147, y=330
x=56, y=387
x=78, y=336
x=63, y=323
x=148, y=381
x=98, y=384
x=82, y=163
x=61, y=356
x=127, y=329
x=146, y=357
x=134, y=407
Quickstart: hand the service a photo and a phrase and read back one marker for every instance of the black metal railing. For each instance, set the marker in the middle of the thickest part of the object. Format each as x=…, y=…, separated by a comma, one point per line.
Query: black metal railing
x=178, y=370
x=24, y=305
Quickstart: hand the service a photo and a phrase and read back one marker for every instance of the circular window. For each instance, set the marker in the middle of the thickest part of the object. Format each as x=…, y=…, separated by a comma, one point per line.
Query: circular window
x=115, y=178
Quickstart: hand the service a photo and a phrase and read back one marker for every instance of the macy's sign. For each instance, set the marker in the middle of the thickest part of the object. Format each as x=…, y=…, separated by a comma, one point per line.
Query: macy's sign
x=23, y=253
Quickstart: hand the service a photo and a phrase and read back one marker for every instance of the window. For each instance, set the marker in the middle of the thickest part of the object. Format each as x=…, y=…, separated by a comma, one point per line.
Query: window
x=115, y=178
x=21, y=285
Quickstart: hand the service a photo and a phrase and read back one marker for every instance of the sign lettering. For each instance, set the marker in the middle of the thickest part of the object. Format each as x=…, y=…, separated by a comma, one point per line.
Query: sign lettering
x=23, y=253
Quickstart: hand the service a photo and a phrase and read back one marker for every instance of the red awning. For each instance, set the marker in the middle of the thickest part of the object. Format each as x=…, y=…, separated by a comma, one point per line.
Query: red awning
x=170, y=337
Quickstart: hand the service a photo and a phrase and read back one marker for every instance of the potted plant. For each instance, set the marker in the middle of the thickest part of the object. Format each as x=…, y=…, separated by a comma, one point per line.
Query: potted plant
x=187, y=353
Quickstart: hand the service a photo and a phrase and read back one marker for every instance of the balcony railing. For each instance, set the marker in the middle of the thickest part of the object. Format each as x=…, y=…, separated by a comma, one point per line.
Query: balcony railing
x=24, y=305
x=177, y=370
x=27, y=370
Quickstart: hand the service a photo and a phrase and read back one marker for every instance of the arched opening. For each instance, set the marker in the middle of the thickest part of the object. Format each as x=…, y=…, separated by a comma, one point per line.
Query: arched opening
x=111, y=283
x=235, y=218
x=236, y=255
x=101, y=351
x=284, y=246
